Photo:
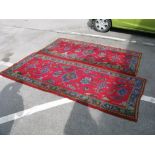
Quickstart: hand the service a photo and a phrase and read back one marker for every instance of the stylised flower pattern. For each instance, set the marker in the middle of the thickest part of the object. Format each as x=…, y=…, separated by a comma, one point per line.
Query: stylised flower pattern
x=88, y=52
x=57, y=73
x=69, y=76
x=86, y=80
x=122, y=91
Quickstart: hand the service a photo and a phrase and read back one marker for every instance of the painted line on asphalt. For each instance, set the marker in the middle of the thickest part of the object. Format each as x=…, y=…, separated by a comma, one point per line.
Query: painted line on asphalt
x=33, y=110
x=148, y=99
x=93, y=35
x=148, y=43
x=88, y=35
x=107, y=37
x=8, y=64
x=47, y=106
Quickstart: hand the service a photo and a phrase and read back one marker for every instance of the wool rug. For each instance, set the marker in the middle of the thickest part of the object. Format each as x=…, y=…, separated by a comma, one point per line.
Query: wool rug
x=115, y=59
x=108, y=91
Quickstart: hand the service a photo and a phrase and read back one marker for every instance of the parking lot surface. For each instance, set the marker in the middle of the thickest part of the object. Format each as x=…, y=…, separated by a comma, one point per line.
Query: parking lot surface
x=25, y=110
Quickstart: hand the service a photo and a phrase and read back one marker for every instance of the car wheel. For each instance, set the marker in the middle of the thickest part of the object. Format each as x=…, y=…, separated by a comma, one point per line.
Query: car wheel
x=102, y=25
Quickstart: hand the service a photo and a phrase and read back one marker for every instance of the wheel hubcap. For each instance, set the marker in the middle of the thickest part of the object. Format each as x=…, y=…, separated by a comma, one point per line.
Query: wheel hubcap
x=101, y=24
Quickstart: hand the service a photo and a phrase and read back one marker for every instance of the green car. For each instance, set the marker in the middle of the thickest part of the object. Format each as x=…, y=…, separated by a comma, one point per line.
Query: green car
x=104, y=25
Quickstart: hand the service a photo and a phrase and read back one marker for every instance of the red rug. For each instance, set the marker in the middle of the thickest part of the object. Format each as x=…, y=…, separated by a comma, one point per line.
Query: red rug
x=108, y=91
x=115, y=59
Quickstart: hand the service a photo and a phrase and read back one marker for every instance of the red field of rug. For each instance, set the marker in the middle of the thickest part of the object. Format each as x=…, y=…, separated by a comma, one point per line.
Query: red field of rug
x=115, y=59
x=105, y=90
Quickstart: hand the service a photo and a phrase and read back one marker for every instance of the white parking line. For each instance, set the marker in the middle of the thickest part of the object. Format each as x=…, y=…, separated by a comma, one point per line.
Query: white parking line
x=46, y=106
x=93, y=35
x=107, y=37
x=89, y=35
x=6, y=63
x=148, y=43
x=148, y=99
x=33, y=110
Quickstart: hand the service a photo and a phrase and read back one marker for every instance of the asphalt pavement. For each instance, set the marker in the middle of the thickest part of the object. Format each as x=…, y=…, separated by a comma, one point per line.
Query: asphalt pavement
x=25, y=110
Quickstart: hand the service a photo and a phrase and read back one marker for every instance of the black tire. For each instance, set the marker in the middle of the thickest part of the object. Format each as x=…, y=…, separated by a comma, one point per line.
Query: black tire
x=102, y=25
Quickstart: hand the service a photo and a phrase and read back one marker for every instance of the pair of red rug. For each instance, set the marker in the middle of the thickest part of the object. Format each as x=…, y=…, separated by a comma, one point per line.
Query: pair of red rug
x=94, y=75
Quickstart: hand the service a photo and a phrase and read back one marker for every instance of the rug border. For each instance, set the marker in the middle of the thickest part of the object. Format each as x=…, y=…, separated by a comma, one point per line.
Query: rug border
x=139, y=100
x=137, y=66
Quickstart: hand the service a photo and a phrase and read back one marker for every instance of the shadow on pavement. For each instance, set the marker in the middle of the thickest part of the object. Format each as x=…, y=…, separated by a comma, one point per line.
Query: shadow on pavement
x=7, y=56
x=10, y=102
x=81, y=121
x=133, y=32
x=145, y=126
